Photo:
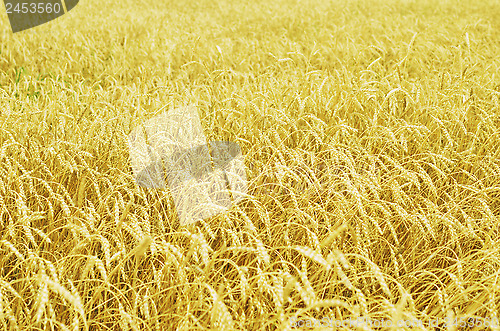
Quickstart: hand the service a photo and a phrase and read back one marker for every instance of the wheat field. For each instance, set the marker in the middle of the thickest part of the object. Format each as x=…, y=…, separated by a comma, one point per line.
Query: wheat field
x=371, y=136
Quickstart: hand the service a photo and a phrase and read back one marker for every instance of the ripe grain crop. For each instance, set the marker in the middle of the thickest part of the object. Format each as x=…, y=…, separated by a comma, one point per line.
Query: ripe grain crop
x=371, y=136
